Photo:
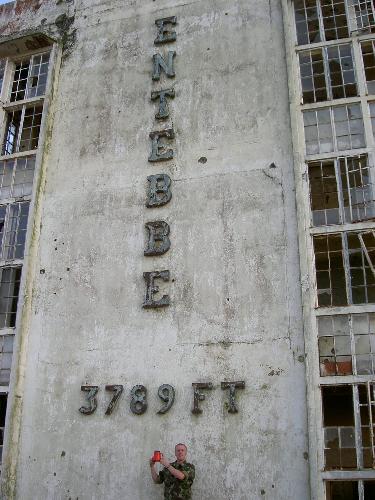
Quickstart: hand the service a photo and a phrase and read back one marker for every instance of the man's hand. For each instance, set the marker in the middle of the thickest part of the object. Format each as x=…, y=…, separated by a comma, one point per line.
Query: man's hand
x=154, y=474
x=164, y=461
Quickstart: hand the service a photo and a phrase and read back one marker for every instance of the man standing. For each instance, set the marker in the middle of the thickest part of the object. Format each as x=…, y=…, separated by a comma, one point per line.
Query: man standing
x=177, y=476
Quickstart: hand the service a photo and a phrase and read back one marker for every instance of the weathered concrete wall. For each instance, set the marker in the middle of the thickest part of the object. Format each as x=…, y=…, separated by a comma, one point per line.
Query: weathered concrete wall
x=235, y=310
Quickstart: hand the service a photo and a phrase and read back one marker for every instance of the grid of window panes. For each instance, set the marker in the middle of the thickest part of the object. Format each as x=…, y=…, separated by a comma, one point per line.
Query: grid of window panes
x=320, y=20
x=6, y=354
x=30, y=77
x=364, y=13
x=336, y=67
x=339, y=128
x=342, y=432
x=23, y=110
x=327, y=73
x=3, y=409
x=345, y=268
x=16, y=177
x=22, y=129
x=341, y=190
x=347, y=344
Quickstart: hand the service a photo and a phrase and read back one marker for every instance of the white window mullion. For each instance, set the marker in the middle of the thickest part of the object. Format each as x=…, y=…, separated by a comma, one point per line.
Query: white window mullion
x=348, y=282
x=340, y=194
x=371, y=406
x=327, y=73
x=20, y=129
x=321, y=24
x=357, y=424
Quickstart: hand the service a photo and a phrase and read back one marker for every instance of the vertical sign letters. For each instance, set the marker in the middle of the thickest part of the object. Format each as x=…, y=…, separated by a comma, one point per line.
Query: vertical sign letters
x=159, y=185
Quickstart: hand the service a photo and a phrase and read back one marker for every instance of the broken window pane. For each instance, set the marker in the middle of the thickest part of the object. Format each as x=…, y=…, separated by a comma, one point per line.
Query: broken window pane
x=347, y=344
x=37, y=80
x=354, y=190
x=361, y=247
x=366, y=395
x=335, y=353
x=369, y=490
x=323, y=193
x=357, y=190
x=334, y=22
x=6, y=353
x=342, y=490
x=334, y=19
x=31, y=127
x=11, y=132
x=330, y=275
x=338, y=424
x=331, y=79
x=30, y=77
x=3, y=410
x=341, y=71
x=9, y=290
x=22, y=129
x=368, y=55
x=313, y=79
x=360, y=264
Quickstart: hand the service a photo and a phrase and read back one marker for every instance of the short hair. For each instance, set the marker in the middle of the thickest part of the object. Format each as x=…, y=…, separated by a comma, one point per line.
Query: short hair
x=181, y=444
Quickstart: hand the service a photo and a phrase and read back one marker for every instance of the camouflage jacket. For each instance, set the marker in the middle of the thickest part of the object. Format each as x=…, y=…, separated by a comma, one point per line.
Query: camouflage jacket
x=175, y=489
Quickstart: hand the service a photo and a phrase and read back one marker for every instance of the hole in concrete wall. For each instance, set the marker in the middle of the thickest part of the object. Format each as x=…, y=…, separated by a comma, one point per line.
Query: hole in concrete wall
x=202, y=159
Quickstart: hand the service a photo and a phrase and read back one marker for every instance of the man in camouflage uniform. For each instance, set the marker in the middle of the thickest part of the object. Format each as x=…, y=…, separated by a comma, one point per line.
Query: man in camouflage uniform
x=177, y=476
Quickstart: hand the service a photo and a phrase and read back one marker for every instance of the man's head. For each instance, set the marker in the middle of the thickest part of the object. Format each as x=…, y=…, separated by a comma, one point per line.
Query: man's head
x=180, y=452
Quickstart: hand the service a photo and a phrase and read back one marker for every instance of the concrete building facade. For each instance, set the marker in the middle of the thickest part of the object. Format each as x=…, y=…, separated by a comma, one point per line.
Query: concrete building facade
x=186, y=212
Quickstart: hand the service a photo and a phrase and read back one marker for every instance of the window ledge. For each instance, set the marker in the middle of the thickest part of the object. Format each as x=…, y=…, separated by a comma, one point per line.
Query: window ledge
x=14, y=105
x=31, y=152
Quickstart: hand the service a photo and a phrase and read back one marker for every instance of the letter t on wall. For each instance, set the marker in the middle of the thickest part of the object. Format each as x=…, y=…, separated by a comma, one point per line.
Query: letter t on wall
x=163, y=104
x=232, y=386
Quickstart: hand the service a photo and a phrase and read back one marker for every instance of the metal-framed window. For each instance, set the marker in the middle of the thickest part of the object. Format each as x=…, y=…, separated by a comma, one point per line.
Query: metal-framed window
x=350, y=490
x=320, y=20
x=346, y=344
x=368, y=57
x=349, y=426
x=334, y=61
x=6, y=354
x=341, y=190
x=13, y=226
x=10, y=279
x=30, y=77
x=327, y=73
x=344, y=266
x=326, y=20
x=364, y=13
x=16, y=177
x=337, y=128
x=22, y=129
x=3, y=409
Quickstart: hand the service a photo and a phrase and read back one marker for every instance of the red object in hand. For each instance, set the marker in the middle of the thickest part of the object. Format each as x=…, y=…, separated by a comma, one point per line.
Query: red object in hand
x=157, y=456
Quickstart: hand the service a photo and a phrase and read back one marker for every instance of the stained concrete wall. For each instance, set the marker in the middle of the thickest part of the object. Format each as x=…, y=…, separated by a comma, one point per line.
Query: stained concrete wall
x=235, y=310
